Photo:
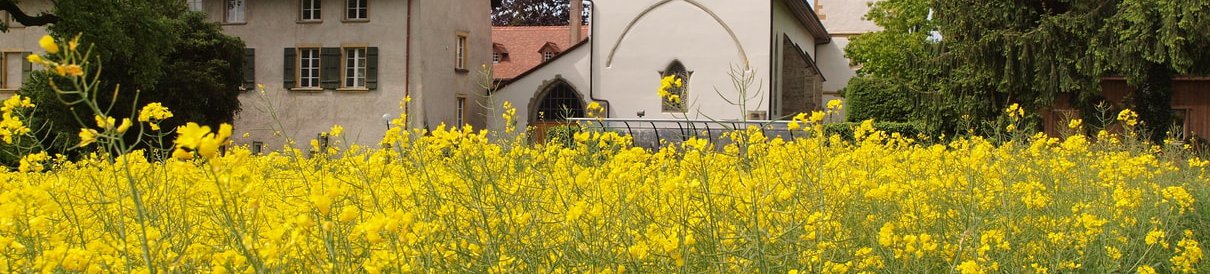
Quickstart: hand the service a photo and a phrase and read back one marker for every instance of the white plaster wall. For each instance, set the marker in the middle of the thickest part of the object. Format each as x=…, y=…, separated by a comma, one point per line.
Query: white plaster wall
x=679, y=31
x=572, y=67
x=835, y=65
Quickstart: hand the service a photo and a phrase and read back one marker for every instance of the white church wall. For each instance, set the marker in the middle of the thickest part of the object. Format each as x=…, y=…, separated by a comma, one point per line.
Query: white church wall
x=787, y=26
x=628, y=63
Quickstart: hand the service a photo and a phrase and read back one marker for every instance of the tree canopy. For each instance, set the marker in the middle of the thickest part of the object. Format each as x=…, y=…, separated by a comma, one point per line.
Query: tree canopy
x=536, y=13
x=174, y=56
x=994, y=53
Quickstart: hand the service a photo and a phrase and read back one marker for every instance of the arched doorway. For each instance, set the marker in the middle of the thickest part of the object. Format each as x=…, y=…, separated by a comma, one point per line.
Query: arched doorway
x=556, y=102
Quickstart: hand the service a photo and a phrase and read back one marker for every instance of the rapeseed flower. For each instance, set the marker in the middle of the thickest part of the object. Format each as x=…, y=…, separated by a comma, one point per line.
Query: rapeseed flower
x=48, y=43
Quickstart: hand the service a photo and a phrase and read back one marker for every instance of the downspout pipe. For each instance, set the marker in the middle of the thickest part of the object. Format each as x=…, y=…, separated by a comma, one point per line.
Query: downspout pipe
x=407, y=65
x=592, y=59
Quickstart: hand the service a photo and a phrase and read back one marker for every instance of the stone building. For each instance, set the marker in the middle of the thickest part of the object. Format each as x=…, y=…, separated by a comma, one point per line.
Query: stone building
x=347, y=62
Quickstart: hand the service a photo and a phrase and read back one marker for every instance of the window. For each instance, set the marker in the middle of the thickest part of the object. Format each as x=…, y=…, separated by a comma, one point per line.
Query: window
x=460, y=53
x=308, y=68
x=674, y=101
x=499, y=53
x=355, y=68
x=461, y=111
x=549, y=51
x=310, y=10
x=13, y=69
x=350, y=68
x=357, y=10
x=560, y=102
x=249, y=69
x=235, y=11
x=195, y=5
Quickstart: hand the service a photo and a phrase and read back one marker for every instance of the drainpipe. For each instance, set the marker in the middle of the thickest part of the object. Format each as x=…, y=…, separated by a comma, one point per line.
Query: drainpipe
x=407, y=65
x=592, y=60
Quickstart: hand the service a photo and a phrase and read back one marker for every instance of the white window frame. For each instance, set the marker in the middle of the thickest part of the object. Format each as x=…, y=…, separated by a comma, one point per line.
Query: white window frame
x=307, y=73
x=353, y=69
x=196, y=5
x=461, y=111
x=496, y=58
x=548, y=55
x=235, y=12
x=362, y=10
x=460, y=53
x=315, y=10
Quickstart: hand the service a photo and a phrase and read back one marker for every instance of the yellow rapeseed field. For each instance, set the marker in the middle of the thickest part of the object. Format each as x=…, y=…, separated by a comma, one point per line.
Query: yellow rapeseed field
x=453, y=200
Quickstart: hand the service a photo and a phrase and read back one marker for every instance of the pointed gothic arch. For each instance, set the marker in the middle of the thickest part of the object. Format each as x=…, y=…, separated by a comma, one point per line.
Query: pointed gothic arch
x=556, y=101
x=735, y=39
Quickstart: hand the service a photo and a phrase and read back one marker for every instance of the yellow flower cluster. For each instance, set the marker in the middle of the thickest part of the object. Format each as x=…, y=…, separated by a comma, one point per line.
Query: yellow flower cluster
x=1128, y=117
x=195, y=139
x=11, y=125
x=67, y=66
x=153, y=113
x=452, y=200
x=670, y=87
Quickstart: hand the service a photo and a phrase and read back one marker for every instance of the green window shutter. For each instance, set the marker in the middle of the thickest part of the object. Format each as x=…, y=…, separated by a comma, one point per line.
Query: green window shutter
x=372, y=68
x=26, y=66
x=288, y=69
x=249, y=69
x=329, y=63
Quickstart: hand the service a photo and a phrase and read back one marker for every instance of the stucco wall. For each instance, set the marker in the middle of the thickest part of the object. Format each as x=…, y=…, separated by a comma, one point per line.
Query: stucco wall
x=627, y=69
x=272, y=26
x=17, y=40
x=572, y=67
x=843, y=17
x=435, y=83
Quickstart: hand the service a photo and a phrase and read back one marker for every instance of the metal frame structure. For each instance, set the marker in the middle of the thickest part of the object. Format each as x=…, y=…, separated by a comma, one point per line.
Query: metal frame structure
x=655, y=133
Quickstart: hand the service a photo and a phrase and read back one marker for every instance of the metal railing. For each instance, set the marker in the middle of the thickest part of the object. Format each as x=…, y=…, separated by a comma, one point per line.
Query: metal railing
x=648, y=133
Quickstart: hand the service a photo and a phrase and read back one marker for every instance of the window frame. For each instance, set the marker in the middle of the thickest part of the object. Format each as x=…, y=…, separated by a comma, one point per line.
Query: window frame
x=196, y=5
x=461, y=110
x=461, y=55
x=497, y=58
x=316, y=8
x=344, y=68
x=548, y=55
x=347, y=8
x=227, y=9
x=298, y=68
x=4, y=70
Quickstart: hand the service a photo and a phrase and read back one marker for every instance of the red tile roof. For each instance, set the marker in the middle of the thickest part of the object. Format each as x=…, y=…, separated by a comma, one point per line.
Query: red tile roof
x=522, y=43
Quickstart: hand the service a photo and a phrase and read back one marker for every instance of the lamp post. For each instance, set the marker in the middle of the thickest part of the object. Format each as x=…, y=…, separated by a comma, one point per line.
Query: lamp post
x=386, y=117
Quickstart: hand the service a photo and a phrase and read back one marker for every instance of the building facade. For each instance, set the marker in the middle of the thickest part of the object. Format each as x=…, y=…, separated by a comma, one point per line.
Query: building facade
x=346, y=62
x=709, y=43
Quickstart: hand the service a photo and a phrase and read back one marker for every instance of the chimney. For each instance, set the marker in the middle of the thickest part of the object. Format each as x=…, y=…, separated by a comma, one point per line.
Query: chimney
x=576, y=21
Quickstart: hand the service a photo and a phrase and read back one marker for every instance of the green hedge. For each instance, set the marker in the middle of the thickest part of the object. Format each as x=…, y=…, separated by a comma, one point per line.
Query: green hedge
x=906, y=129
x=870, y=97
